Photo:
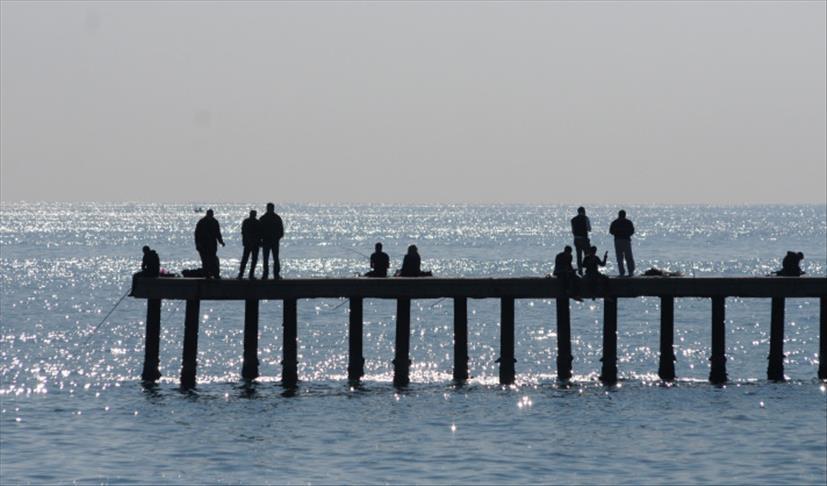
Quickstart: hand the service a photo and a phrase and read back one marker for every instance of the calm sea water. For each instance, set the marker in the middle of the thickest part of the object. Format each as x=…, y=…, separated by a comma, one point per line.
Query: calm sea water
x=72, y=408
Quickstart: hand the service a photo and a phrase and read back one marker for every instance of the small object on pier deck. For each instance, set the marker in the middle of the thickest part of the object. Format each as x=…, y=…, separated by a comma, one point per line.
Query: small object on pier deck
x=609, y=373
x=356, y=360
x=564, y=357
x=290, y=360
x=666, y=369
x=460, y=339
x=401, y=360
x=249, y=369
x=717, y=372
x=153, y=341
x=507, y=341
x=190, y=355
x=775, y=368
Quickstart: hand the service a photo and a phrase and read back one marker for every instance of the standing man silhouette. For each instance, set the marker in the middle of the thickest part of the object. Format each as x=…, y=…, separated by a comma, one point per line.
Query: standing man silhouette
x=623, y=229
x=250, y=238
x=580, y=227
x=207, y=237
x=272, y=230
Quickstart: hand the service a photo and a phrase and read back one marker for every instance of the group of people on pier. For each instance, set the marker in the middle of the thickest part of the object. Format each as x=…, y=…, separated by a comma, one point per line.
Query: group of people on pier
x=266, y=232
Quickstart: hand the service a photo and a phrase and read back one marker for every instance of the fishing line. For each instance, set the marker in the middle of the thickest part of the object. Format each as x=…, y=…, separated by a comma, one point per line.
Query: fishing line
x=105, y=318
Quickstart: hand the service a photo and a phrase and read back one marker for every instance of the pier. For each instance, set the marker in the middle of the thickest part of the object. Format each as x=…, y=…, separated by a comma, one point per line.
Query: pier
x=507, y=290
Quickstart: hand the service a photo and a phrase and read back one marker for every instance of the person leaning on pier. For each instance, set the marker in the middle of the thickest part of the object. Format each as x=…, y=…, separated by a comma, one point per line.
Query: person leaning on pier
x=564, y=272
x=250, y=239
x=272, y=230
x=207, y=237
x=379, y=263
x=580, y=227
x=411, y=265
x=623, y=229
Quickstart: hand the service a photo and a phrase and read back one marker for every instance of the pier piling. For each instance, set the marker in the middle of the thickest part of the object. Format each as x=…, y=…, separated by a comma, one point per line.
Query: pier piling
x=249, y=368
x=152, y=342
x=190, y=355
x=460, y=339
x=507, y=341
x=356, y=360
x=290, y=360
x=666, y=368
x=564, y=357
x=401, y=360
x=717, y=372
x=609, y=373
x=775, y=367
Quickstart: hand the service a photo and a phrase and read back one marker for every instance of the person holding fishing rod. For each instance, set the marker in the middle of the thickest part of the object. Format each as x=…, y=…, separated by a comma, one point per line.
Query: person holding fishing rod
x=379, y=263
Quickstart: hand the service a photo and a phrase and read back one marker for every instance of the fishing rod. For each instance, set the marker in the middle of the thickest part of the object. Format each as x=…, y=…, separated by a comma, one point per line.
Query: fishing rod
x=354, y=251
x=105, y=318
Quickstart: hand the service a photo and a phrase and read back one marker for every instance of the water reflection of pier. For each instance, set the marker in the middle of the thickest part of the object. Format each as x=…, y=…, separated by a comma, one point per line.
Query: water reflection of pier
x=460, y=290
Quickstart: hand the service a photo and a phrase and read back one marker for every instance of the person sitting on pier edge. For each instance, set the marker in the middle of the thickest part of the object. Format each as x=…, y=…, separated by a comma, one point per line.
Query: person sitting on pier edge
x=379, y=263
x=250, y=239
x=207, y=237
x=150, y=266
x=564, y=271
x=595, y=280
x=623, y=229
x=272, y=230
x=790, y=266
x=580, y=227
x=411, y=265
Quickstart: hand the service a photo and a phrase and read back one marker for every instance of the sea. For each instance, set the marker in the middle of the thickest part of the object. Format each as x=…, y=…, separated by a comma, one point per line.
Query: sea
x=73, y=408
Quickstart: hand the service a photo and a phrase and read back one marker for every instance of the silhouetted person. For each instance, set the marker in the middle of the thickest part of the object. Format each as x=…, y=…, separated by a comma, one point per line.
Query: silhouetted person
x=150, y=266
x=379, y=263
x=250, y=238
x=791, y=265
x=595, y=280
x=580, y=227
x=411, y=265
x=272, y=230
x=207, y=237
x=564, y=271
x=623, y=229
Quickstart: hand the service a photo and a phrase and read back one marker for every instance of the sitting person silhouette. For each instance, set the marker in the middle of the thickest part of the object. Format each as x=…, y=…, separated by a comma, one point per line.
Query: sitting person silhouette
x=790, y=266
x=379, y=263
x=564, y=271
x=150, y=266
x=411, y=265
x=596, y=280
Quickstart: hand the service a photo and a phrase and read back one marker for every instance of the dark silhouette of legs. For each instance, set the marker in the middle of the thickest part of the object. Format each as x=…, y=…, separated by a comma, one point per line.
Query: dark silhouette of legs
x=623, y=251
x=581, y=246
x=206, y=262
x=266, y=250
x=248, y=250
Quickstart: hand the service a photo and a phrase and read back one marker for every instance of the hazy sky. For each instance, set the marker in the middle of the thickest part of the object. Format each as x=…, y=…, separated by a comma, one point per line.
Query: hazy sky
x=696, y=102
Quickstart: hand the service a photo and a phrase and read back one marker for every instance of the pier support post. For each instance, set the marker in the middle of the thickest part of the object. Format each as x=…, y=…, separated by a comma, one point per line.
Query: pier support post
x=249, y=368
x=153, y=340
x=666, y=369
x=822, y=340
x=290, y=354
x=507, y=341
x=717, y=373
x=190, y=357
x=401, y=360
x=460, y=339
x=356, y=360
x=564, y=357
x=609, y=373
x=775, y=367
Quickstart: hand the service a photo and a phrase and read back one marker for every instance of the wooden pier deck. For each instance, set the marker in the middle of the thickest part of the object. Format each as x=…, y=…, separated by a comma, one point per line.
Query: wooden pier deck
x=403, y=290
